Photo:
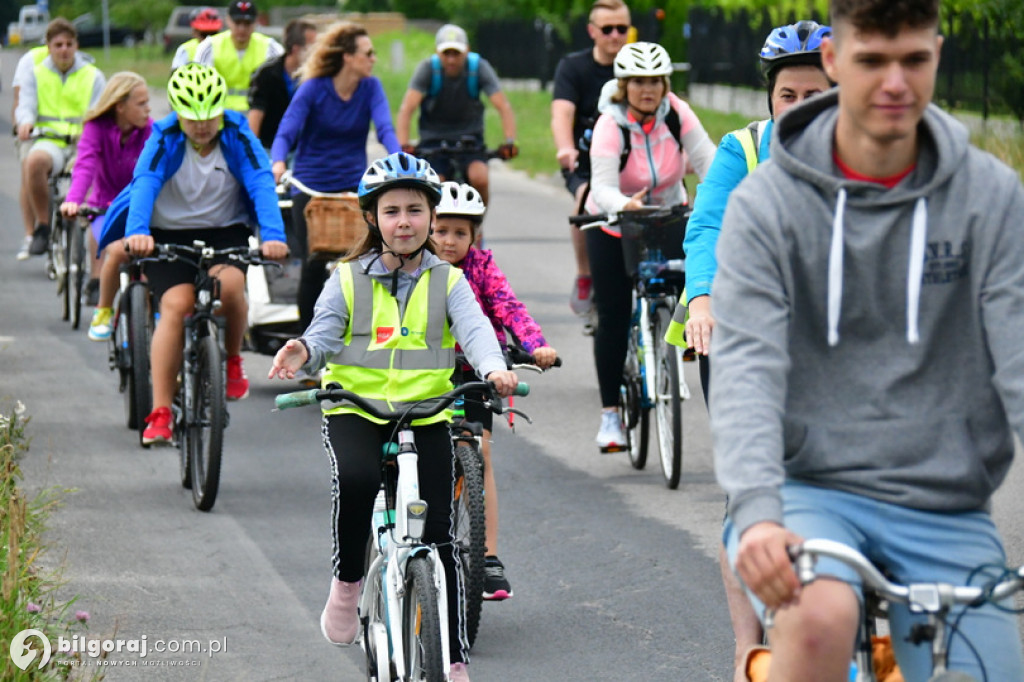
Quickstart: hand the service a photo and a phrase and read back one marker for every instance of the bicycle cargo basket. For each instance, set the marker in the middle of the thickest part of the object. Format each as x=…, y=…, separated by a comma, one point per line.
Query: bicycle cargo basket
x=646, y=235
x=333, y=225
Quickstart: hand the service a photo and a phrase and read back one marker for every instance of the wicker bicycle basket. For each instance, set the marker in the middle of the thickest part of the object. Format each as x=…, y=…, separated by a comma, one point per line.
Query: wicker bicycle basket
x=333, y=225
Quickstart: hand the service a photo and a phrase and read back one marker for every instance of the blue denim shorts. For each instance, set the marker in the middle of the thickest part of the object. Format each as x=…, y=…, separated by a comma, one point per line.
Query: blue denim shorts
x=912, y=545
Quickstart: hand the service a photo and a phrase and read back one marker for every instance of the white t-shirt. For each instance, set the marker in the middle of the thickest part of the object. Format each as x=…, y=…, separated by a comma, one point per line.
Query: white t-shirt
x=202, y=194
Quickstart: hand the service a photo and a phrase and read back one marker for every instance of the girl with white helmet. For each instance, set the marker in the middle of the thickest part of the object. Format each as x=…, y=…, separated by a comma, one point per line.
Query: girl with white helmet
x=394, y=275
x=665, y=141
x=458, y=218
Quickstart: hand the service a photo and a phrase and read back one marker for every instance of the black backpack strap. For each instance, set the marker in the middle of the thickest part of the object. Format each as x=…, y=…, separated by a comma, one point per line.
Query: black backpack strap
x=627, y=147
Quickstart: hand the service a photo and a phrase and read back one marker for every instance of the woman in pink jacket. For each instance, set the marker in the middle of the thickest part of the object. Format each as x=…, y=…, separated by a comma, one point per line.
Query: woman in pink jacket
x=666, y=142
x=113, y=136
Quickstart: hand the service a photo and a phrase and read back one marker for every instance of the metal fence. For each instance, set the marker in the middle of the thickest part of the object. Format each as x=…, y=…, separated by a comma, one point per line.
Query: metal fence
x=723, y=49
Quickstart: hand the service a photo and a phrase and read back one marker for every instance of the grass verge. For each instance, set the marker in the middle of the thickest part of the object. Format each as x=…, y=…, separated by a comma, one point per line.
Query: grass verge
x=28, y=592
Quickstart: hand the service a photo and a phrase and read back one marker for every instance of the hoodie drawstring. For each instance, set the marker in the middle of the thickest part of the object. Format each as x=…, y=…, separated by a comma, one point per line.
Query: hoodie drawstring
x=915, y=269
x=835, y=270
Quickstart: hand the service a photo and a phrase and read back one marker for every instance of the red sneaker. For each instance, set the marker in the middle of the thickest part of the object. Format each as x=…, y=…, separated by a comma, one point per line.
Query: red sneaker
x=581, y=300
x=158, y=427
x=238, y=383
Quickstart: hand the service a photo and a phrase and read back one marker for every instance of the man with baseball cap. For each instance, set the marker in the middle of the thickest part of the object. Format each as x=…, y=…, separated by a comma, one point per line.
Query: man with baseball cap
x=447, y=87
x=237, y=52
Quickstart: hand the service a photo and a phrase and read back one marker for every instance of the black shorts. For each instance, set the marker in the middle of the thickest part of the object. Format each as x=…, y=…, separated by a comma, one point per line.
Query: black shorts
x=574, y=179
x=162, y=275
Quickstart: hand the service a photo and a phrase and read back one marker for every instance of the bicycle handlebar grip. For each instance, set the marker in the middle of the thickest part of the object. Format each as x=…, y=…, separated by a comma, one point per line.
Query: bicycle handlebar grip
x=586, y=219
x=297, y=399
x=522, y=389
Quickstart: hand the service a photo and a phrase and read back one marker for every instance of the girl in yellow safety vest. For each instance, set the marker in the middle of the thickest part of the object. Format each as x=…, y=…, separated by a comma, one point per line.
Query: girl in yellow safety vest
x=391, y=304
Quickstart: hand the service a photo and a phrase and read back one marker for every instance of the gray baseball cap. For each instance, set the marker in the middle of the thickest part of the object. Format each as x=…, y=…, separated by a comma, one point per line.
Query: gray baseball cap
x=451, y=37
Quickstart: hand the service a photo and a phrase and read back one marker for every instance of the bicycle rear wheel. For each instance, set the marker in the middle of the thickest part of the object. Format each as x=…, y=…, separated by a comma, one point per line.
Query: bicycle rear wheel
x=60, y=253
x=206, y=423
x=636, y=418
x=667, y=400
x=421, y=623
x=139, y=394
x=78, y=268
x=470, y=532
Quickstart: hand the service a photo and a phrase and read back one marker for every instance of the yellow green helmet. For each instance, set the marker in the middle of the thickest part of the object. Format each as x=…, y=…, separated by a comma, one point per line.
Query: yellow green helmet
x=197, y=92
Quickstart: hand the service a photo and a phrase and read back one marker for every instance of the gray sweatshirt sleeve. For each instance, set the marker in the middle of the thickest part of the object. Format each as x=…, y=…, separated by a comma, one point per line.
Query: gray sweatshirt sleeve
x=326, y=332
x=473, y=330
x=1002, y=295
x=751, y=308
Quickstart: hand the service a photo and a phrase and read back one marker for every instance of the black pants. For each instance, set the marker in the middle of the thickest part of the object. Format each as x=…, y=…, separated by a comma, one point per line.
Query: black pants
x=314, y=270
x=613, y=300
x=354, y=446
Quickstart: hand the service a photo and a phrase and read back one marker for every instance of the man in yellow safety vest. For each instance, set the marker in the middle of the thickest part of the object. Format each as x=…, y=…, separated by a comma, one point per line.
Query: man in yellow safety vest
x=52, y=101
x=237, y=52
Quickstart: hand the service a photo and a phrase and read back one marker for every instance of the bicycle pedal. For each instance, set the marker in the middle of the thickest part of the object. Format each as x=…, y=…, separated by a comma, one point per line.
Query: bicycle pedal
x=588, y=329
x=689, y=355
x=612, y=449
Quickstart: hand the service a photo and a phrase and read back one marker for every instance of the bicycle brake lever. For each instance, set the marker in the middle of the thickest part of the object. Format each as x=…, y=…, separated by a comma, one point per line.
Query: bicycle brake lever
x=512, y=410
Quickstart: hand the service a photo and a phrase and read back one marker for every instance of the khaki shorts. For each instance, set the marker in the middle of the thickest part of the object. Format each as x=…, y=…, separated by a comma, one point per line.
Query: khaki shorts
x=59, y=155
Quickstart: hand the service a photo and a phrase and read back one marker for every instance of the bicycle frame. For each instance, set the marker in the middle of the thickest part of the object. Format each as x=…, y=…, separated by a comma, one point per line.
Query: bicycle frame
x=404, y=541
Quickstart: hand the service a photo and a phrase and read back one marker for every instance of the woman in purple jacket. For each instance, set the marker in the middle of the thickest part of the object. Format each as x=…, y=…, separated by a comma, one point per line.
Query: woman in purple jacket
x=326, y=125
x=112, y=139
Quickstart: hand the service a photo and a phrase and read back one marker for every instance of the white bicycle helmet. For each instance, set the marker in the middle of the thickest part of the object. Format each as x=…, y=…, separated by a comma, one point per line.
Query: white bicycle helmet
x=460, y=200
x=642, y=59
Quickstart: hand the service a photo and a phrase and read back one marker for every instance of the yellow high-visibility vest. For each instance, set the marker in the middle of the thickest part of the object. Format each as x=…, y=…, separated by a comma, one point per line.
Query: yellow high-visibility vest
x=237, y=73
x=62, y=104
x=392, y=358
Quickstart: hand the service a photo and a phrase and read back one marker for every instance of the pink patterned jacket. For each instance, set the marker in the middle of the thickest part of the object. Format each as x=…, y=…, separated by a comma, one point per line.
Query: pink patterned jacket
x=498, y=301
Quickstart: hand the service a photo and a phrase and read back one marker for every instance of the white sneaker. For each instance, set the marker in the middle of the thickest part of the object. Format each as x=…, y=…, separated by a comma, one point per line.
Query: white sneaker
x=611, y=438
x=23, y=253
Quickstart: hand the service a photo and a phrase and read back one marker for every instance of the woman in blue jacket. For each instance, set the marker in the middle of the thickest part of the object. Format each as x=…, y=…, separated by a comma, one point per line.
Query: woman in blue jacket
x=791, y=61
x=202, y=175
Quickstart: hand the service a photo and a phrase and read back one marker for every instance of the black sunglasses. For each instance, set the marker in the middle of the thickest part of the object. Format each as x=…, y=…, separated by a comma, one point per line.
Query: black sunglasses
x=623, y=29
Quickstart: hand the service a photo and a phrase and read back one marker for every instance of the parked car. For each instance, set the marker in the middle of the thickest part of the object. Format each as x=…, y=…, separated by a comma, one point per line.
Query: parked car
x=29, y=28
x=90, y=32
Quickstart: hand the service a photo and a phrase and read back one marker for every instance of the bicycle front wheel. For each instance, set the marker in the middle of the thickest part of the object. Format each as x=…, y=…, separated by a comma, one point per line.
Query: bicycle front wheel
x=470, y=532
x=636, y=416
x=78, y=267
x=421, y=623
x=667, y=400
x=375, y=635
x=138, y=395
x=206, y=423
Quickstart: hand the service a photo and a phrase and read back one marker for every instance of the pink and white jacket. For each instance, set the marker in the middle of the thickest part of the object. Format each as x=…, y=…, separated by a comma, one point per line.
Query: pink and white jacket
x=655, y=162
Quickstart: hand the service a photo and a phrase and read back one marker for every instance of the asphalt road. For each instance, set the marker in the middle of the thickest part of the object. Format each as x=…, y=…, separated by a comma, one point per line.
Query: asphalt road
x=614, y=575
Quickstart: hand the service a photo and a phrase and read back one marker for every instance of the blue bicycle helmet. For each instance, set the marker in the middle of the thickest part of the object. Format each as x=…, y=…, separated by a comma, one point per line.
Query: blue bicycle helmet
x=798, y=43
x=398, y=170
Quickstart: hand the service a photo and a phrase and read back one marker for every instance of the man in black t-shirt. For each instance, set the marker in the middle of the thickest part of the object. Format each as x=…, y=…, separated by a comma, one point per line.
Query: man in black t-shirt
x=273, y=84
x=578, y=80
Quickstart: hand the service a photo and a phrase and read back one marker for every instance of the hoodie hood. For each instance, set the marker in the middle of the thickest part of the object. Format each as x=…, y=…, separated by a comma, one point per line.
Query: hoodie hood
x=797, y=147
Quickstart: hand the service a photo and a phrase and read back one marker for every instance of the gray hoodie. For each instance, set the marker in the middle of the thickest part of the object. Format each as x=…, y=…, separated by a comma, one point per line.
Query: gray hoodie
x=868, y=340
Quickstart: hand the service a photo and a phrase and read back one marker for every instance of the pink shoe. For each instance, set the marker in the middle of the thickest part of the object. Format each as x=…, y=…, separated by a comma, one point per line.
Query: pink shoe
x=459, y=673
x=339, y=621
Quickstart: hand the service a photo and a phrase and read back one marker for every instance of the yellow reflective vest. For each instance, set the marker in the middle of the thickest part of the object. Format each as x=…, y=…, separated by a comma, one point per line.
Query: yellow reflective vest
x=237, y=73
x=62, y=104
x=190, y=46
x=390, y=357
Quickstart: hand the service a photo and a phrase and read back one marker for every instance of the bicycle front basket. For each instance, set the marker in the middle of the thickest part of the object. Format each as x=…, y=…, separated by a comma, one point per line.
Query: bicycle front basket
x=645, y=235
x=334, y=225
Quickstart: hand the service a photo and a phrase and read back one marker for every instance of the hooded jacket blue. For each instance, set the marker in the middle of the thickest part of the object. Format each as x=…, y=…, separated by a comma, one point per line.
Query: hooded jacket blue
x=131, y=211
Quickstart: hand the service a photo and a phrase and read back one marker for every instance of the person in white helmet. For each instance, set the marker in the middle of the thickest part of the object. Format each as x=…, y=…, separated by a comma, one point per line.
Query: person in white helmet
x=644, y=142
x=458, y=219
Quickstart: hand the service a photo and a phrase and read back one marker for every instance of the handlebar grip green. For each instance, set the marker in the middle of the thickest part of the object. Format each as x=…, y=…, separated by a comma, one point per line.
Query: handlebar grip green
x=296, y=399
x=522, y=389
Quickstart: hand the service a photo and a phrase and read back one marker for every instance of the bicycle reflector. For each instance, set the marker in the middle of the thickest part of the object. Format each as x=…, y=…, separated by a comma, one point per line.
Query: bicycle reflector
x=416, y=515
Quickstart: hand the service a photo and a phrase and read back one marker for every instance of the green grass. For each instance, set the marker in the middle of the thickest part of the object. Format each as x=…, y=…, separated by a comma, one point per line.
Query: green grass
x=532, y=109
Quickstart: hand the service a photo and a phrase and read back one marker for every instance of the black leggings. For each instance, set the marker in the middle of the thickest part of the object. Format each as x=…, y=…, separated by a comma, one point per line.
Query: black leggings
x=354, y=446
x=613, y=301
x=314, y=270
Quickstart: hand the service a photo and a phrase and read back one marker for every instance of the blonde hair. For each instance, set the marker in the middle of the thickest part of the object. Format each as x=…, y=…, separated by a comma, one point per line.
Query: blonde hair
x=328, y=53
x=119, y=89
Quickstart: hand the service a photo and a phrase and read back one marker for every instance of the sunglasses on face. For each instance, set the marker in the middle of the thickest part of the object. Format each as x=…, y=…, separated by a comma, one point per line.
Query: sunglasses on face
x=622, y=29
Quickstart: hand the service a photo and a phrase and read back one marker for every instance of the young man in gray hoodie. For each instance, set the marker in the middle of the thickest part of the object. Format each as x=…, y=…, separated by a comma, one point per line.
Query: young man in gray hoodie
x=868, y=373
